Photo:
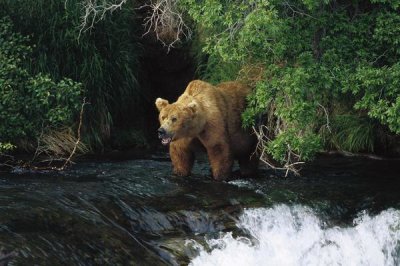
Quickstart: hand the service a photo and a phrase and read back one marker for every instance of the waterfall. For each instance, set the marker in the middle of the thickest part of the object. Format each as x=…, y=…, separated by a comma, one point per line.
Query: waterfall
x=295, y=235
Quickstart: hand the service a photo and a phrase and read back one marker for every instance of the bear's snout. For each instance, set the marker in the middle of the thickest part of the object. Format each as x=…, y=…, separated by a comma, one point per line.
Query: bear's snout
x=161, y=132
x=165, y=138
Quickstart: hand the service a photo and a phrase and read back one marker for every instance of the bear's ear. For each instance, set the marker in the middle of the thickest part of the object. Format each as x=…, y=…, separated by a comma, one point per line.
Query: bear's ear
x=161, y=103
x=192, y=106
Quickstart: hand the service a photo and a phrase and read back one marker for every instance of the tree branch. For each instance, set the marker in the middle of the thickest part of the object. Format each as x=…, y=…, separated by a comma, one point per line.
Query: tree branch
x=163, y=19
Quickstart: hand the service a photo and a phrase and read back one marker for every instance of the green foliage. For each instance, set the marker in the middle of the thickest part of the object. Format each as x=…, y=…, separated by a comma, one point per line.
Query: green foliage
x=352, y=133
x=29, y=103
x=296, y=108
x=4, y=147
x=292, y=143
x=324, y=62
x=392, y=3
x=379, y=93
x=104, y=59
x=235, y=31
x=215, y=72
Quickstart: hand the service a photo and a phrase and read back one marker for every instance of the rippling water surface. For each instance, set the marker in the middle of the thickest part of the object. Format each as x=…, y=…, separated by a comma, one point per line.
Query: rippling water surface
x=342, y=211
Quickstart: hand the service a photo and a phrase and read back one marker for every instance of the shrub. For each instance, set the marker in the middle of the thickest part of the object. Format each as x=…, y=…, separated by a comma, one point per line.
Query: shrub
x=330, y=69
x=104, y=58
x=30, y=103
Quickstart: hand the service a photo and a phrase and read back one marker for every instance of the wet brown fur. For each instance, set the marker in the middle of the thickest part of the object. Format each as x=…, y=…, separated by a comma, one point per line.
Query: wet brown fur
x=212, y=115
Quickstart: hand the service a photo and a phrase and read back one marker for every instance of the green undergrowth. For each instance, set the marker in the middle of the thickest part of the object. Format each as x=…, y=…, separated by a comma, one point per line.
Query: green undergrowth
x=104, y=59
x=30, y=104
x=325, y=73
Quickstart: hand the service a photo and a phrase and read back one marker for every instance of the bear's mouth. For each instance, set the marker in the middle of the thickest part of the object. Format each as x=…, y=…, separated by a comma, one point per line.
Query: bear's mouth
x=166, y=141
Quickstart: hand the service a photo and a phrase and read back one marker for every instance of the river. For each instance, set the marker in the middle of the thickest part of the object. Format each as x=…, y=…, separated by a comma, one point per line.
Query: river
x=341, y=211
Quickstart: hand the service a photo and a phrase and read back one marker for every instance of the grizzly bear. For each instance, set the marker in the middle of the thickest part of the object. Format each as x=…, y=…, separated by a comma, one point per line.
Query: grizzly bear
x=209, y=115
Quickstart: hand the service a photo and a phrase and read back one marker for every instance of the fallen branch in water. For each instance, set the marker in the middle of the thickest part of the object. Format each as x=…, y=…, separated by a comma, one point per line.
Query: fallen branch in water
x=289, y=166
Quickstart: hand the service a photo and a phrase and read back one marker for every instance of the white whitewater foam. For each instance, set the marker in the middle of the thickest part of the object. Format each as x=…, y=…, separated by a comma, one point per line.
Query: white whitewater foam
x=285, y=235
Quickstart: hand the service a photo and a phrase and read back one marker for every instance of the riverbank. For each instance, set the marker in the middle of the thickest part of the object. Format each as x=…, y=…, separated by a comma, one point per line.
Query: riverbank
x=23, y=160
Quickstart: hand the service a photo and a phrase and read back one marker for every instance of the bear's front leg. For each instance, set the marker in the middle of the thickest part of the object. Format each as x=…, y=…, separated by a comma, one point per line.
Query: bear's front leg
x=182, y=156
x=221, y=161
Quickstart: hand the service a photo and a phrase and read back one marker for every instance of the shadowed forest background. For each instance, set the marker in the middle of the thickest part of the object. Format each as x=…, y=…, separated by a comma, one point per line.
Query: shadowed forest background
x=326, y=74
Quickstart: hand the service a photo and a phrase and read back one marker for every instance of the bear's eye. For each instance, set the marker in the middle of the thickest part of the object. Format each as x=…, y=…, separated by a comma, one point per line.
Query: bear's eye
x=163, y=117
x=173, y=119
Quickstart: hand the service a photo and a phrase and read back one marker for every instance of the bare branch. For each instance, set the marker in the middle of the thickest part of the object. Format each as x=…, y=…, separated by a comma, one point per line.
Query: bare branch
x=327, y=125
x=166, y=22
x=77, y=145
x=379, y=57
x=291, y=164
x=163, y=18
x=78, y=139
x=296, y=10
x=95, y=11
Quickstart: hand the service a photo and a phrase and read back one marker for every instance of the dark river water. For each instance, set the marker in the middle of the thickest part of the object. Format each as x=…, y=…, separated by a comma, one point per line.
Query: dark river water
x=342, y=211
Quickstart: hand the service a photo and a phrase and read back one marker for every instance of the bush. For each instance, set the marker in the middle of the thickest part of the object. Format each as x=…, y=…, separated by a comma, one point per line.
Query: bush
x=105, y=59
x=30, y=103
x=323, y=62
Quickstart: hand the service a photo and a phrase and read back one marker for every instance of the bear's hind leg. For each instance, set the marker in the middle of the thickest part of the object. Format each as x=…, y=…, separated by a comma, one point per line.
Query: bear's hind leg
x=221, y=161
x=182, y=157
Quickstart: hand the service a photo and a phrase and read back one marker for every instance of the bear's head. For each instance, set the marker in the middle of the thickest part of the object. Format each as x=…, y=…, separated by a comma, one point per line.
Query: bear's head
x=178, y=120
